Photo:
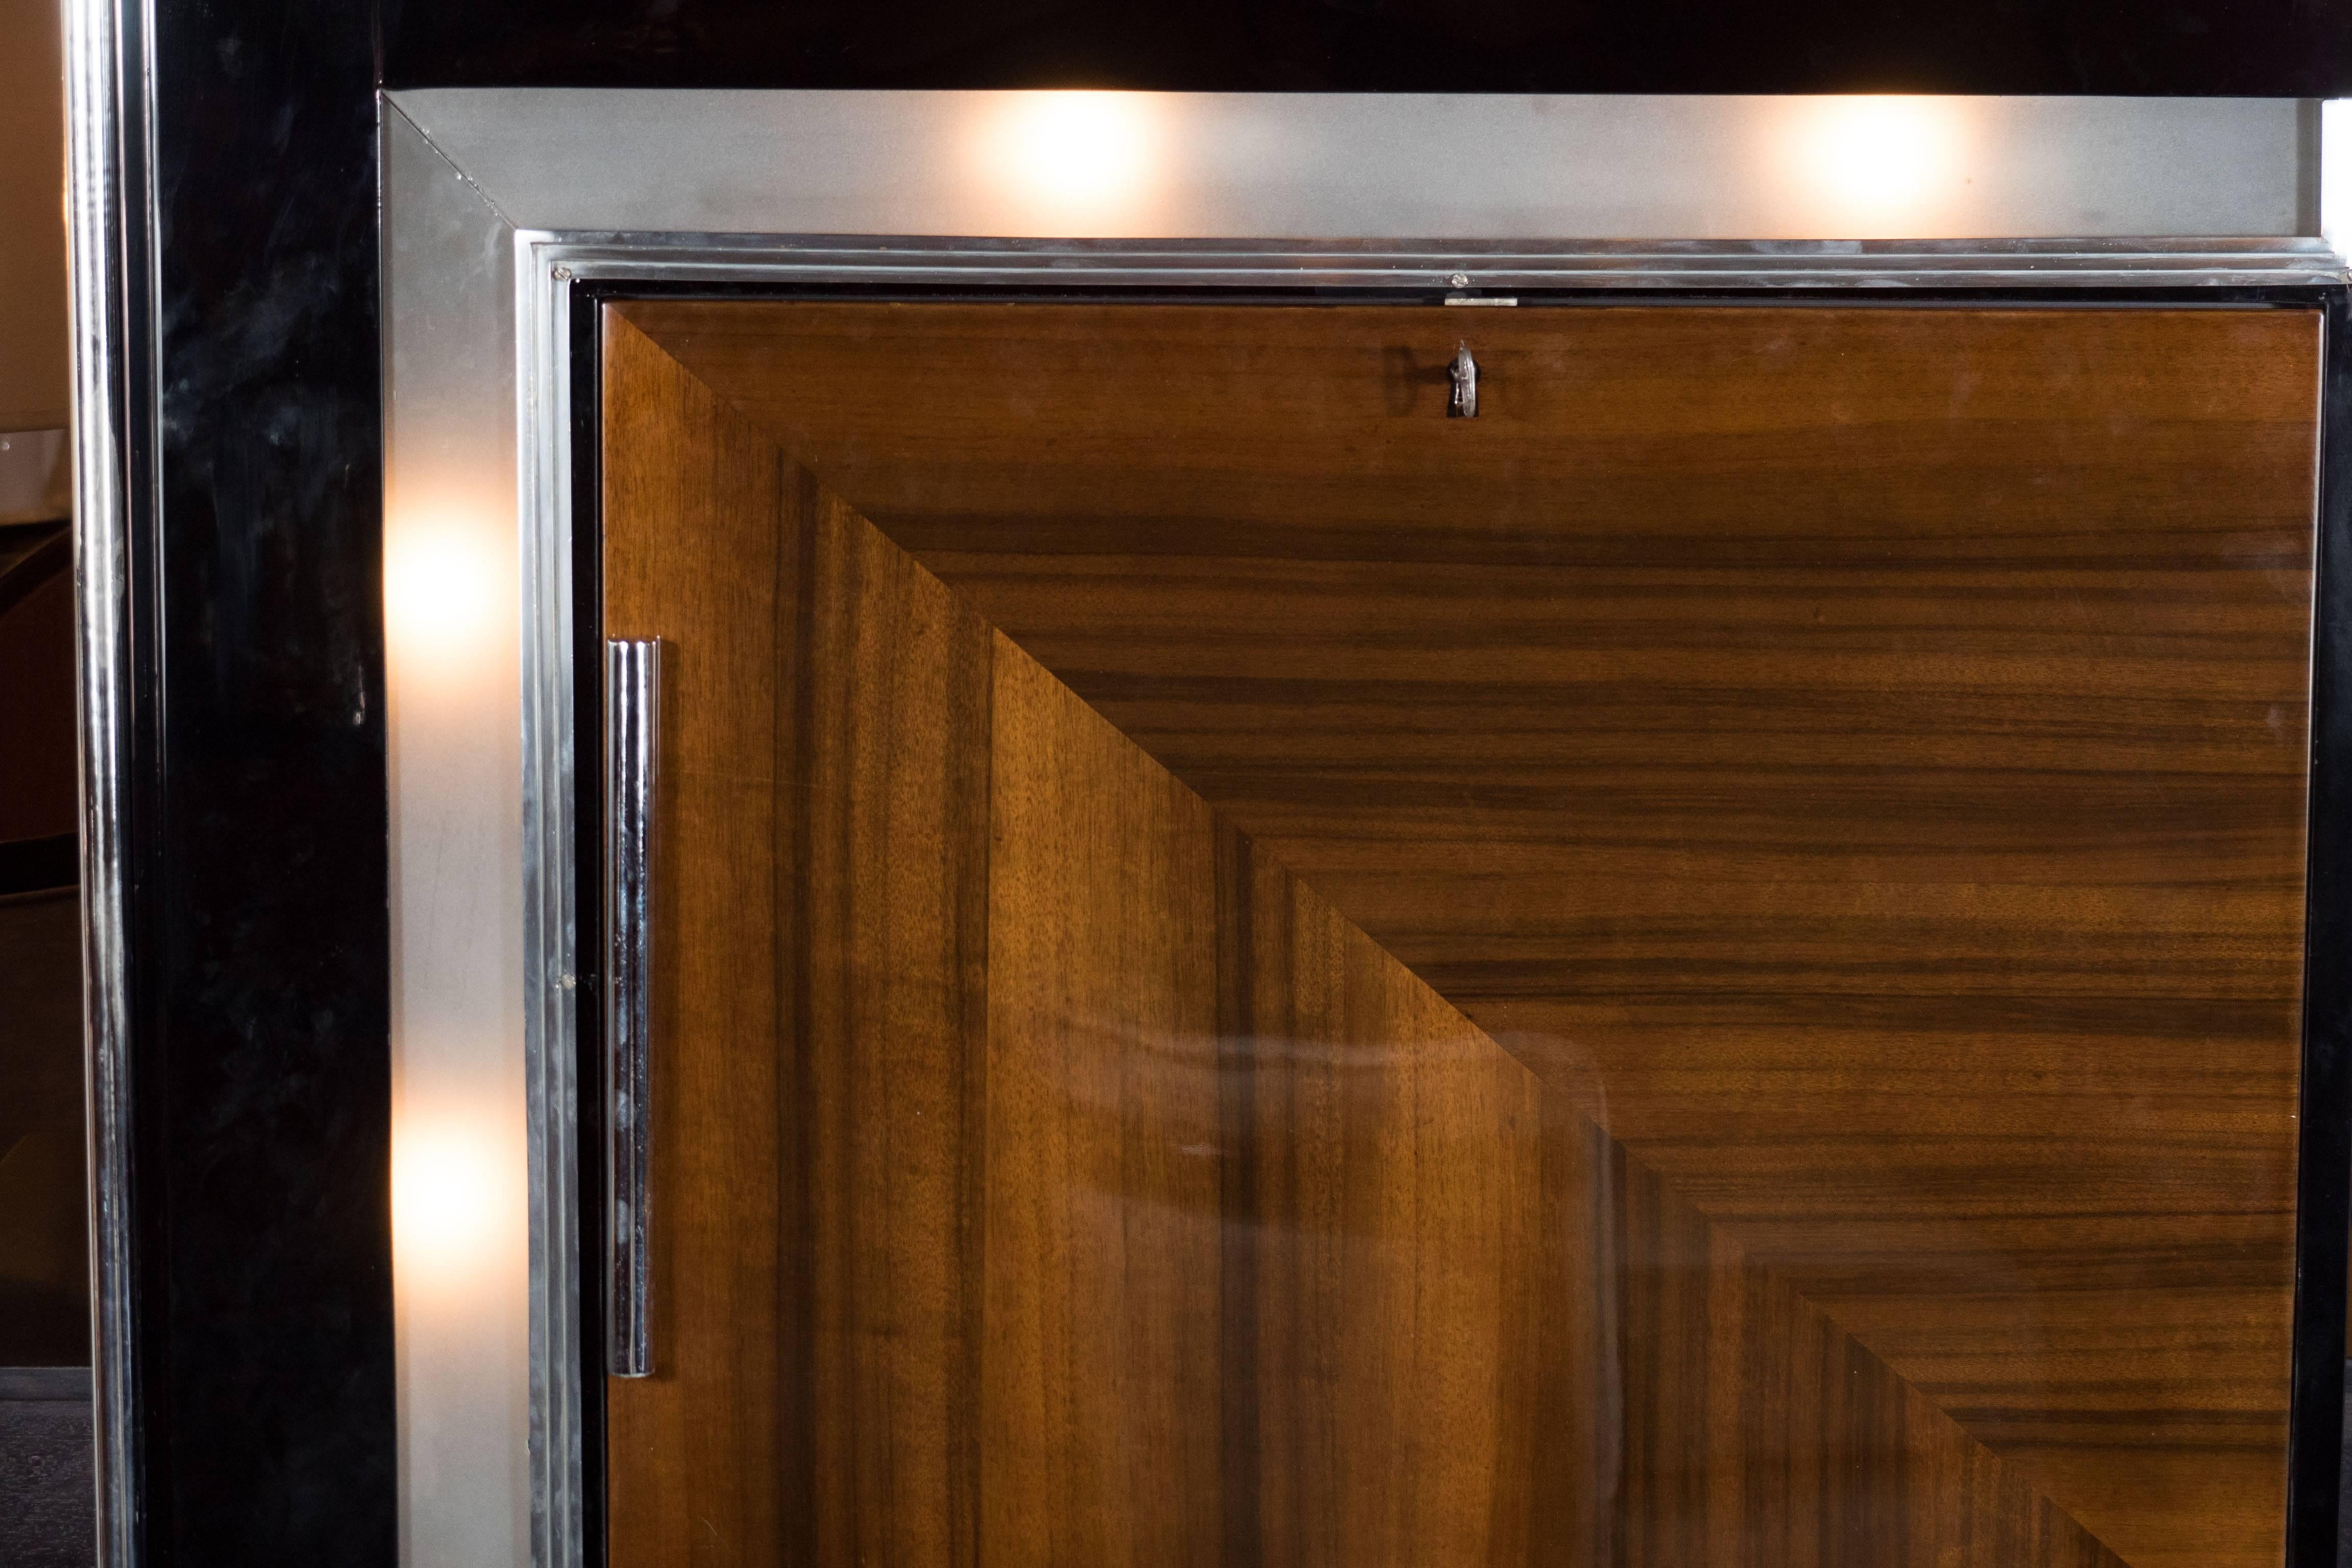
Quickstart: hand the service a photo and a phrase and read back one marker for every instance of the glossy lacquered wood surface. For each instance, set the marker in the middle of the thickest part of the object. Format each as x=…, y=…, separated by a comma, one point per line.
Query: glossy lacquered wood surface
x=1774, y=855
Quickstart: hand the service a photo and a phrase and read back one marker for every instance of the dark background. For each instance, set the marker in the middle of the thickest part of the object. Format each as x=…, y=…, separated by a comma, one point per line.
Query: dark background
x=255, y=840
x=2251, y=48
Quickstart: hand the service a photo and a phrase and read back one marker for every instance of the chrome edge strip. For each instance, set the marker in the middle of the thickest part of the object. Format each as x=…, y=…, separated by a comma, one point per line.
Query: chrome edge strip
x=1438, y=264
x=543, y=407
x=631, y=796
x=111, y=230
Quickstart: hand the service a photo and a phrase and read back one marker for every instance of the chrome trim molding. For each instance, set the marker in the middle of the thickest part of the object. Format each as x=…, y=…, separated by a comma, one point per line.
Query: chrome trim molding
x=1439, y=266
x=111, y=253
x=538, y=386
x=632, y=807
x=451, y=315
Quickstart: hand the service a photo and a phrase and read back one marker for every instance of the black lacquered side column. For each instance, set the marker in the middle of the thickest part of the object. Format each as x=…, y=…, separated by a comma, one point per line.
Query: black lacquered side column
x=252, y=1077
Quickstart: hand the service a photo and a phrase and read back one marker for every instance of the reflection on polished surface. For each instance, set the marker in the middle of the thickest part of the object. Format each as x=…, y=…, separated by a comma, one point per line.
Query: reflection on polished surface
x=1881, y=165
x=440, y=589
x=1081, y=158
x=453, y=1191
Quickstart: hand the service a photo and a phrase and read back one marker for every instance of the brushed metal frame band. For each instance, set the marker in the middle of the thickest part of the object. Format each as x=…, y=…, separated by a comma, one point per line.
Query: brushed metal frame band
x=632, y=802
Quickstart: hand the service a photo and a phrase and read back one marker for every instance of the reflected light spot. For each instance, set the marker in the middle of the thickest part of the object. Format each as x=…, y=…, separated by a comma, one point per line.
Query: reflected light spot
x=1077, y=155
x=438, y=586
x=452, y=1194
x=1878, y=167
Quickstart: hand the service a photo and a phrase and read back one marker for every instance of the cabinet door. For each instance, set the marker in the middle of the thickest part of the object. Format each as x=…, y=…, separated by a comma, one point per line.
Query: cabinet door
x=1702, y=967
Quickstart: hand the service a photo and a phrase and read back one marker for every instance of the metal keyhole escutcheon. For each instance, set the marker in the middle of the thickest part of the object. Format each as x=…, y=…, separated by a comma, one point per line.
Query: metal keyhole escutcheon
x=1463, y=404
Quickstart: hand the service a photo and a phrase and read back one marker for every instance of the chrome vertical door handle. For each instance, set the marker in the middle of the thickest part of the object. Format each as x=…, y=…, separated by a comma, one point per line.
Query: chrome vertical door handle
x=631, y=775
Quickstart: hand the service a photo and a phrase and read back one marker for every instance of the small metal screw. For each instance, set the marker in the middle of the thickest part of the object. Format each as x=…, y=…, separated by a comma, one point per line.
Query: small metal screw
x=563, y=275
x=1460, y=280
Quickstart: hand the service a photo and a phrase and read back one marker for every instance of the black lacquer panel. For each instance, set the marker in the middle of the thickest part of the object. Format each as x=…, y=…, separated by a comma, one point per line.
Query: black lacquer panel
x=260, y=1051
x=2255, y=48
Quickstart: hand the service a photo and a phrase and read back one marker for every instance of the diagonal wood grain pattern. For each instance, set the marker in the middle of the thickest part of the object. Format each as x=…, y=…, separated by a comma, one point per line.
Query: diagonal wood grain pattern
x=1840, y=770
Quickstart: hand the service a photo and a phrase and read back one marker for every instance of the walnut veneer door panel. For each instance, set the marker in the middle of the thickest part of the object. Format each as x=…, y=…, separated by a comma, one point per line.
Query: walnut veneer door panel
x=1702, y=968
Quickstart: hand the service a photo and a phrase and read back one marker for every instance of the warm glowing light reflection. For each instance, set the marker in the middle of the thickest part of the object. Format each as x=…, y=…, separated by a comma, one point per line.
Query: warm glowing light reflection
x=440, y=585
x=1879, y=168
x=1084, y=158
x=457, y=1202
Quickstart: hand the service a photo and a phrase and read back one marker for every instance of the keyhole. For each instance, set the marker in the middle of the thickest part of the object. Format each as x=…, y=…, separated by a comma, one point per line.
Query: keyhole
x=1463, y=404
